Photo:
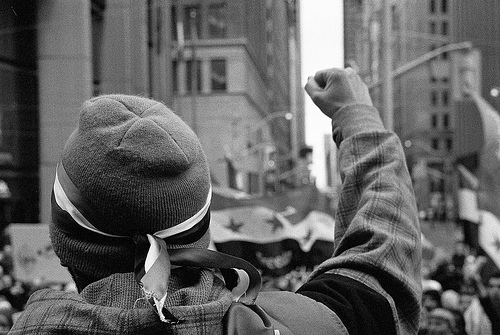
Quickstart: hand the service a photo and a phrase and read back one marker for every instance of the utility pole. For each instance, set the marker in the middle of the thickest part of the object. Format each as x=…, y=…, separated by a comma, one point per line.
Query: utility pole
x=194, y=70
x=386, y=66
x=293, y=85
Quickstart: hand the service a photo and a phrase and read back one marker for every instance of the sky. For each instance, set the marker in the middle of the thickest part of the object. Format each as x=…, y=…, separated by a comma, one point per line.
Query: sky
x=321, y=48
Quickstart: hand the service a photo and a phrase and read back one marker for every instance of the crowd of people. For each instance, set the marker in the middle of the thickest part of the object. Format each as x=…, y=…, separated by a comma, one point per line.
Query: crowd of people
x=457, y=299
x=15, y=293
x=460, y=295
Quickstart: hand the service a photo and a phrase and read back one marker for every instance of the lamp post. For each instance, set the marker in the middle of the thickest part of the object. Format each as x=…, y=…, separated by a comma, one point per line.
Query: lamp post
x=421, y=171
x=267, y=149
x=495, y=91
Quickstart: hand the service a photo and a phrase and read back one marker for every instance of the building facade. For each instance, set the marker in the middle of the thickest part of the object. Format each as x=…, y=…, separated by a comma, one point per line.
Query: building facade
x=233, y=76
x=436, y=123
x=226, y=67
x=423, y=110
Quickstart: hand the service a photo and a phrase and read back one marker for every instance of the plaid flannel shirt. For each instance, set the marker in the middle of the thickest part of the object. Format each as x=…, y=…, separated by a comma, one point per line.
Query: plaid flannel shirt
x=377, y=232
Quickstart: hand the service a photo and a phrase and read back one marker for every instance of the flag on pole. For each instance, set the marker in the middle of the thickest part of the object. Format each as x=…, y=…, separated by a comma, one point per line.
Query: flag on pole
x=489, y=180
x=276, y=233
x=468, y=212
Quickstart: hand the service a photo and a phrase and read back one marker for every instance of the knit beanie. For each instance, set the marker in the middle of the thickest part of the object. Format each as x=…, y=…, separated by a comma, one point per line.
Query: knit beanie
x=131, y=167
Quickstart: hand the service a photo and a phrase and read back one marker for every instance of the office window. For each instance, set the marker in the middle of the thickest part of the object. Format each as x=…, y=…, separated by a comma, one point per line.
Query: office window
x=173, y=23
x=218, y=74
x=190, y=75
x=192, y=21
x=444, y=55
x=435, y=144
x=434, y=98
x=446, y=121
x=445, y=97
x=217, y=20
x=175, y=78
x=432, y=27
x=449, y=144
x=444, y=28
x=444, y=6
x=432, y=6
x=434, y=121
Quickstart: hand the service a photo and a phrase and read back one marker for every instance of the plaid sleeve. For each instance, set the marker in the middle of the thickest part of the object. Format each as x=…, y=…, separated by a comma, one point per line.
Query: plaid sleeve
x=377, y=233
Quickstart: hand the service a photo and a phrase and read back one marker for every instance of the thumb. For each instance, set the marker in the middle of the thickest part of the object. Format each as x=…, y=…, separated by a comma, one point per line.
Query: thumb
x=312, y=86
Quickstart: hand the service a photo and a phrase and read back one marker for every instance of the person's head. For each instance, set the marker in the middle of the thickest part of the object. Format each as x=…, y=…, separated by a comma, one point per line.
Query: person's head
x=450, y=299
x=494, y=281
x=131, y=167
x=441, y=321
x=431, y=294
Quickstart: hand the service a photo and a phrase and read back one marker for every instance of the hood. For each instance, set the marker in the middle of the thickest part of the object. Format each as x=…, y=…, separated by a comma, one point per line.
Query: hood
x=102, y=307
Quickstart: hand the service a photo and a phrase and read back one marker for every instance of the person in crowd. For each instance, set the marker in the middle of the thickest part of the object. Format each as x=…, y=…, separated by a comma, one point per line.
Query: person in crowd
x=488, y=295
x=431, y=294
x=442, y=321
x=131, y=215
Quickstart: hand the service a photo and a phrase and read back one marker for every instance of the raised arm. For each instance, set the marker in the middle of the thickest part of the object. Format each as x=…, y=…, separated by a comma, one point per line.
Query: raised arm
x=377, y=234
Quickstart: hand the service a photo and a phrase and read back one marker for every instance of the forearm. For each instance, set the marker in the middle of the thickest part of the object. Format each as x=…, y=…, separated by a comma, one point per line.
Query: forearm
x=377, y=234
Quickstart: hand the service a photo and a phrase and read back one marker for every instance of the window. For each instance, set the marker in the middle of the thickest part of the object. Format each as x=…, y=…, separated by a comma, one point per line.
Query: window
x=434, y=98
x=449, y=144
x=446, y=121
x=173, y=23
x=432, y=27
x=444, y=28
x=446, y=98
x=218, y=75
x=175, y=79
x=444, y=55
x=434, y=121
x=190, y=75
x=432, y=6
x=217, y=20
x=192, y=21
x=435, y=144
x=444, y=6
x=395, y=18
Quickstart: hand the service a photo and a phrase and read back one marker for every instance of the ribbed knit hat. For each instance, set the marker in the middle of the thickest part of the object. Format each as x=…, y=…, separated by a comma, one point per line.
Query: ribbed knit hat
x=131, y=167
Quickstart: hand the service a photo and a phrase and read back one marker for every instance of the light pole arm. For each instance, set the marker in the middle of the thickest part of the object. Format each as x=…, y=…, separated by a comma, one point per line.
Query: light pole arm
x=424, y=59
x=268, y=118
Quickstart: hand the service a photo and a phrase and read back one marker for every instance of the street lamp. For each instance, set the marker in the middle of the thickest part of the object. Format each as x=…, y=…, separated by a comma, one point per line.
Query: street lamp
x=495, y=92
x=268, y=162
x=268, y=118
x=438, y=201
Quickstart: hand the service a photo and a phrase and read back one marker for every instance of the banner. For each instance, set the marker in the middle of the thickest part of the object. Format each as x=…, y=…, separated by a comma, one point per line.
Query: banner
x=489, y=180
x=489, y=161
x=275, y=233
x=469, y=215
x=33, y=256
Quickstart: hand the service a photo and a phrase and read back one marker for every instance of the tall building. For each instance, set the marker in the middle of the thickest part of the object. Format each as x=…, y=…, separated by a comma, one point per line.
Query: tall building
x=423, y=110
x=476, y=21
x=228, y=68
x=234, y=69
x=436, y=124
